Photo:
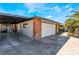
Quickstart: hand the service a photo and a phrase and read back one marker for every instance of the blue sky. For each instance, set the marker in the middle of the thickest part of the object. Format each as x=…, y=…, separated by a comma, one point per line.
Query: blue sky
x=53, y=11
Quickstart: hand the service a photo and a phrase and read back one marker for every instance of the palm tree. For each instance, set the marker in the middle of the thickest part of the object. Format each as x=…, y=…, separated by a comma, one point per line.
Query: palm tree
x=76, y=15
x=69, y=25
x=72, y=24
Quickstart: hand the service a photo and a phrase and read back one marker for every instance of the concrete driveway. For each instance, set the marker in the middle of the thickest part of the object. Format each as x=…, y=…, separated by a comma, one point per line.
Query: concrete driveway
x=71, y=47
x=18, y=44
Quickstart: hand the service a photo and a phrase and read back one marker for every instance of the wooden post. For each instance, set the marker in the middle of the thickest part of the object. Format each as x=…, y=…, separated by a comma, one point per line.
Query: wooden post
x=15, y=28
x=1, y=27
x=56, y=29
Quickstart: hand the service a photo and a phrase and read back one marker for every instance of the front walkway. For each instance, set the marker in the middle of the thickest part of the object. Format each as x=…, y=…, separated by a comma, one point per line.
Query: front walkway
x=18, y=44
x=71, y=47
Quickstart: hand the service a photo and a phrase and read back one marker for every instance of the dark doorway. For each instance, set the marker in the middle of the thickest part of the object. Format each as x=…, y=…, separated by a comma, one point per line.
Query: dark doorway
x=6, y=28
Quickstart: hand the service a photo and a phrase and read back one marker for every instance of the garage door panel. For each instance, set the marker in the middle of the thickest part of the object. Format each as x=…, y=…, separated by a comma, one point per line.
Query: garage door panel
x=48, y=29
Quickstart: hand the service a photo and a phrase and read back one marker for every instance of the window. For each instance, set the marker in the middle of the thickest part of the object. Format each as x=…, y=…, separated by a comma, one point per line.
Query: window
x=25, y=25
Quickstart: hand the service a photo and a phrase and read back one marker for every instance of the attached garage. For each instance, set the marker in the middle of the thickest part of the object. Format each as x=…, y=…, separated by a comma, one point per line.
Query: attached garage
x=44, y=27
x=34, y=27
x=39, y=27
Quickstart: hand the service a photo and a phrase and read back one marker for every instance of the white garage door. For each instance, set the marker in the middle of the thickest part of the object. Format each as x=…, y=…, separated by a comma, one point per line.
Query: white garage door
x=48, y=29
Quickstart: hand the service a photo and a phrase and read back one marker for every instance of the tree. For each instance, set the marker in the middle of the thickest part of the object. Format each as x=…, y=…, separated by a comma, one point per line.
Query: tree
x=76, y=15
x=69, y=25
x=72, y=23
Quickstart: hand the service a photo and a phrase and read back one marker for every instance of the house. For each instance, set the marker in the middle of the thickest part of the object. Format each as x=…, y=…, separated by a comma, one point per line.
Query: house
x=34, y=27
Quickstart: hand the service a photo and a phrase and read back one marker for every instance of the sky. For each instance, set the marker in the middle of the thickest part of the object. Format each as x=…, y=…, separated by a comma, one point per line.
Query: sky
x=52, y=11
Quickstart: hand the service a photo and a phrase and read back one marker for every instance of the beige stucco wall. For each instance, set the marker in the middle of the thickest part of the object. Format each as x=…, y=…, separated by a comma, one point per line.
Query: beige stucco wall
x=48, y=29
x=28, y=30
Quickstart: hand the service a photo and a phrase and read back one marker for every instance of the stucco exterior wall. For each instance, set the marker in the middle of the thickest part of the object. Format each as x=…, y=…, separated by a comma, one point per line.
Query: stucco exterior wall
x=28, y=29
x=47, y=29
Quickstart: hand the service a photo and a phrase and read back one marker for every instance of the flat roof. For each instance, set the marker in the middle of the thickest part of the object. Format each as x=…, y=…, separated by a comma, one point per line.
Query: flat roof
x=12, y=19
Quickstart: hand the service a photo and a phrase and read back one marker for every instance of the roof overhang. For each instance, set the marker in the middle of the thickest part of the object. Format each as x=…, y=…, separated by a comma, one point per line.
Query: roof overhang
x=12, y=19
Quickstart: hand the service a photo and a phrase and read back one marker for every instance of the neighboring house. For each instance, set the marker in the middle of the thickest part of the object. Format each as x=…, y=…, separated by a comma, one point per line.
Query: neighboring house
x=34, y=27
